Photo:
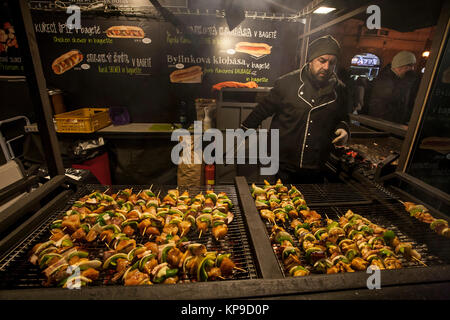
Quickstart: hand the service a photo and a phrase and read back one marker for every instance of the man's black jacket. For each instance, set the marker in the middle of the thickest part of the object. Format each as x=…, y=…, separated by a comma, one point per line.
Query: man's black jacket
x=307, y=117
x=390, y=97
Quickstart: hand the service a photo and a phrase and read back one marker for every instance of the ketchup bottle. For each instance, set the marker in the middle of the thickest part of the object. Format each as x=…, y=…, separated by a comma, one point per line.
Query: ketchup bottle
x=210, y=174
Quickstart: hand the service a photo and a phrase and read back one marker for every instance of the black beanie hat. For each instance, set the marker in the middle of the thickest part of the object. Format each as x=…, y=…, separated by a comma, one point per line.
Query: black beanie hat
x=323, y=45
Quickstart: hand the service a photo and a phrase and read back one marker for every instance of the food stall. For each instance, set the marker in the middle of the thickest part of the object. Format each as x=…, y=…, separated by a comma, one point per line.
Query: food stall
x=239, y=238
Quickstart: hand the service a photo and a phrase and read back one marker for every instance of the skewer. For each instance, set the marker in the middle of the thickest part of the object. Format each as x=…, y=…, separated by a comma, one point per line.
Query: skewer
x=151, y=187
x=106, y=191
x=144, y=231
x=420, y=261
x=103, y=239
x=200, y=235
x=327, y=216
x=220, y=277
x=158, y=194
x=138, y=194
x=240, y=269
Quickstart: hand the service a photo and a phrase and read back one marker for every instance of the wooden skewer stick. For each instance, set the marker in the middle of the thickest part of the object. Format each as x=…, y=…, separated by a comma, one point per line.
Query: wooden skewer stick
x=106, y=191
x=420, y=261
x=200, y=235
x=240, y=269
x=103, y=239
x=327, y=216
x=158, y=193
x=138, y=194
x=220, y=277
x=151, y=187
x=145, y=229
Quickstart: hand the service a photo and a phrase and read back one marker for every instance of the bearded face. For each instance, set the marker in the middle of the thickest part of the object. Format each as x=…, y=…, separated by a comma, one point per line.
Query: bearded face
x=322, y=67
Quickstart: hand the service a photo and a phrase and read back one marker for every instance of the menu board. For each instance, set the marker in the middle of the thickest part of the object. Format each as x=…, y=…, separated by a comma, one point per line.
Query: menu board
x=10, y=58
x=430, y=160
x=149, y=66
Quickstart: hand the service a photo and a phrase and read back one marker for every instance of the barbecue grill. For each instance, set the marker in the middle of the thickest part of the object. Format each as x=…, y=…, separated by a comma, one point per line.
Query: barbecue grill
x=17, y=272
x=331, y=200
x=248, y=241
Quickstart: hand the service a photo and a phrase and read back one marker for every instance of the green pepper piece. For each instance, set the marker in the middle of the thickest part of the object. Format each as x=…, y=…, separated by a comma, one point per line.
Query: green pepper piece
x=67, y=243
x=332, y=225
x=144, y=260
x=288, y=252
x=56, y=225
x=351, y=254
x=282, y=236
x=202, y=275
x=78, y=204
x=85, y=227
x=220, y=258
x=171, y=272
x=149, y=193
x=164, y=253
x=388, y=236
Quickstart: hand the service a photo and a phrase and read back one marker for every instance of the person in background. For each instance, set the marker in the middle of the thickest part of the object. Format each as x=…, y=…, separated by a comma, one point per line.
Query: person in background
x=310, y=110
x=390, y=96
x=361, y=85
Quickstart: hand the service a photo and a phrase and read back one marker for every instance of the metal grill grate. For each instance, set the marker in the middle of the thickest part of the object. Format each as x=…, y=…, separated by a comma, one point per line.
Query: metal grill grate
x=435, y=250
x=17, y=272
x=330, y=193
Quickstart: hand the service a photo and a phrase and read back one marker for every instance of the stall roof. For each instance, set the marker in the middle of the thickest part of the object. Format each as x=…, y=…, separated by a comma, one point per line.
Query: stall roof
x=400, y=15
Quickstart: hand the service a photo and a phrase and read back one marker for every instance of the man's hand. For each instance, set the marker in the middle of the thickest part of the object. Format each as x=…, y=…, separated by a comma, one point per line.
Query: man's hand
x=342, y=137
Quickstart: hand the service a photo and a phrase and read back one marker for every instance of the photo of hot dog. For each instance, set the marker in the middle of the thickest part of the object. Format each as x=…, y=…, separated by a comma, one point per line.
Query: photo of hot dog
x=67, y=61
x=438, y=144
x=125, y=32
x=254, y=49
x=188, y=75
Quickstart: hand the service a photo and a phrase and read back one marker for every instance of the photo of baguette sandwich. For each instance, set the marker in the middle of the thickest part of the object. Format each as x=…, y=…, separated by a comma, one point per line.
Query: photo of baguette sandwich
x=438, y=144
x=253, y=49
x=67, y=61
x=188, y=75
x=125, y=32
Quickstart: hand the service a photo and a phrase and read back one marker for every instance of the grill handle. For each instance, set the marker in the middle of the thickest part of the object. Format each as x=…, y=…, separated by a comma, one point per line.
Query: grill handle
x=266, y=262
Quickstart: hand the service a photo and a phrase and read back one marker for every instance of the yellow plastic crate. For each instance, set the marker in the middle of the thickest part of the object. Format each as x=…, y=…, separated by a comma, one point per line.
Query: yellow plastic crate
x=85, y=120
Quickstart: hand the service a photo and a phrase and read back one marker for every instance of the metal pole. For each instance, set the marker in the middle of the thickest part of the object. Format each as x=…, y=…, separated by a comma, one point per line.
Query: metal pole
x=305, y=42
x=23, y=24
